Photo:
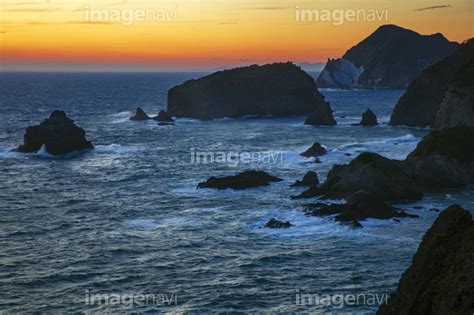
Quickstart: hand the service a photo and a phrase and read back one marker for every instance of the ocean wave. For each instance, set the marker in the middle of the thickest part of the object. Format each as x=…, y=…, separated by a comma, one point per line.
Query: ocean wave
x=115, y=149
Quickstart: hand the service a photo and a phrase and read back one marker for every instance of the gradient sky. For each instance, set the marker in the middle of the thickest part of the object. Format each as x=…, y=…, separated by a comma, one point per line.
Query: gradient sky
x=56, y=34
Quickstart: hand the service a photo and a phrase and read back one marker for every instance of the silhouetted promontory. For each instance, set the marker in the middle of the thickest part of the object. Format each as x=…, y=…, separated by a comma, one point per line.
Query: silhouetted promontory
x=279, y=89
x=391, y=57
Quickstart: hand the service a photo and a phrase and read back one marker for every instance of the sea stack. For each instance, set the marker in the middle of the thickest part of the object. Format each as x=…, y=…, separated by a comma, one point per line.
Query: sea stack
x=140, y=115
x=391, y=57
x=279, y=89
x=442, y=95
x=369, y=119
x=440, y=279
x=58, y=135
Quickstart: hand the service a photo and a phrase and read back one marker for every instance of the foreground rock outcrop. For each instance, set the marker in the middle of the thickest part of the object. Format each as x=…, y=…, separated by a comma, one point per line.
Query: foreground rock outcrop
x=440, y=279
x=391, y=57
x=443, y=158
x=360, y=206
x=448, y=81
x=58, y=135
x=279, y=89
x=248, y=179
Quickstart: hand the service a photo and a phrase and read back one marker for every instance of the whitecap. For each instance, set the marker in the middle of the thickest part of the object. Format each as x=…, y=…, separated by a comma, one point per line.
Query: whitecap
x=115, y=149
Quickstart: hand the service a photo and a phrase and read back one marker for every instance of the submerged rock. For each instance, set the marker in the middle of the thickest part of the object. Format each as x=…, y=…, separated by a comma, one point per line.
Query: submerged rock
x=373, y=173
x=440, y=279
x=444, y=158
x=309, y=179
x=391, y=57
x=140, y=115
x=369, y=118
x=163, y=116
x=279, y=89
x=420, y=104
x=276, y=224
x=360, y=206
x=58, y=134
x=248, y=179
x=314, y=151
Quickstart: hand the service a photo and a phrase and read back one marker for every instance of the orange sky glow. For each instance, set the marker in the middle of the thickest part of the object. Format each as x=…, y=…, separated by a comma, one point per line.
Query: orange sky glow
x=192, y=35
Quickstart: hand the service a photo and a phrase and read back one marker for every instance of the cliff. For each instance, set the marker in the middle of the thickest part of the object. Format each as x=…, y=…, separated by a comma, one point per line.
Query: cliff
x=391, y=57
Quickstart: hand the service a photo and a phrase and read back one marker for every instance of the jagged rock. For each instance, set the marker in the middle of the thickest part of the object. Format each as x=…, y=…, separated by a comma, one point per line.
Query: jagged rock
x=309, y=179
x=140, y=115
x=314, y=151
x=360, y=206
x=420, y=104
x=248, y=179
x=369, y=119
x=440, y=279
x=443, y=158
x=391, y=57
x=373, y=173
x=312, y=192
x=279, y=89
x=163, y=117
x=58, y=134
x=276, y=224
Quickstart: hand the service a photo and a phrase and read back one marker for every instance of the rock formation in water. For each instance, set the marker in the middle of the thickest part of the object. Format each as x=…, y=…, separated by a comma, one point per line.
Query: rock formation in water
x=391, y=57
x=440, y=279
x=443, y=158
x=279, y=89
x=359, y=206
x=373, y=173
x=163, y=117
x=310, y=179
x=58, y=134
x=314, y=151
x=277, y=224
x=448, y=82
x=140, y=115
x=369, y=118
x=248, y=179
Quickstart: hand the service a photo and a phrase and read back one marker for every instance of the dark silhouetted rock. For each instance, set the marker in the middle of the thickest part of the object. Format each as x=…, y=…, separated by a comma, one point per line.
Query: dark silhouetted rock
x=248, y=179
x=444, y=158
x=369, y=119
x=391, y=57
x=440, y=279
x=420, y=104
x=58, y=134
x=140, y=115
x=373, y=173
x=279, y=89
x=321, y=117
x=309, y=179
x=276, y=224
x=312, y=192
x=163, y=117
x=314, y=151
x=360, y=206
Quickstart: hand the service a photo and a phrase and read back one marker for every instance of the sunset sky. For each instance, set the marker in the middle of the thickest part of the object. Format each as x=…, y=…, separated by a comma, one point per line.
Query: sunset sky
x=194, y=34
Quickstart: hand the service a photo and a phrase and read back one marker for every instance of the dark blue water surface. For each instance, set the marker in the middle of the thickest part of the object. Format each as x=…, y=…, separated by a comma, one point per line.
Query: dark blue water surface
x=126, y=218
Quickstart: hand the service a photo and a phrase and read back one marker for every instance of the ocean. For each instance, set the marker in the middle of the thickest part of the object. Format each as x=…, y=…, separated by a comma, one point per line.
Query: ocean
x=125, y=220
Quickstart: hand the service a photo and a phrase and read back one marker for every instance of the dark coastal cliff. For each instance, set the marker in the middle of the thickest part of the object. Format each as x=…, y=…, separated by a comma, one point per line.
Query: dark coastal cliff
x=391, y=57
x=440, y=279
x=279, y=89
x=448, y=82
